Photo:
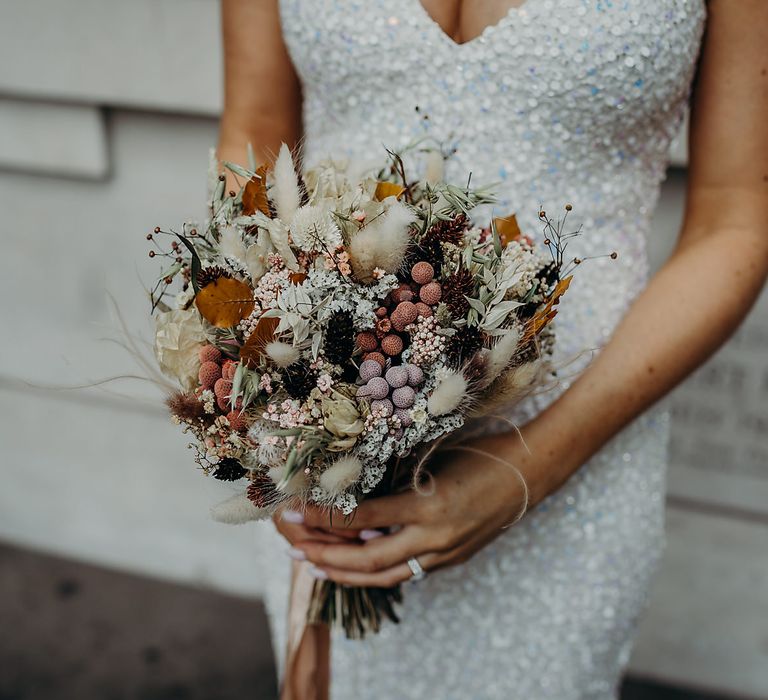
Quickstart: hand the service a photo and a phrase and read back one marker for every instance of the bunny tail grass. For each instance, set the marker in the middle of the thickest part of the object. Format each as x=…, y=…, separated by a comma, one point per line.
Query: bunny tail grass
x=237, y=510
x=286, y=192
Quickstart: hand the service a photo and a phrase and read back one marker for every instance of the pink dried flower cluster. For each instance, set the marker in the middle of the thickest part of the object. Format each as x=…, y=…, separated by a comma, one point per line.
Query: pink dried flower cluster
x=265, y=383
x=325, y=382
x=377, y=416
x=265, y=293
x=426, y=344
x=338, y=261
x=289, y=414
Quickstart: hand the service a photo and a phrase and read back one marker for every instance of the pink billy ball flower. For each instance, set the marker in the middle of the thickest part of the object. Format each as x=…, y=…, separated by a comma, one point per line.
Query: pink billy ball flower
x=209, y=373
x=367, y=341
x=404, y=416
x=404, y=313
x=209, y=353
x=422, y=273
x=370, y=368
x=377, y=388
x=228, y=369
x=396, y=376
x=392, y=345
x=422, y=309
x=376, y=357
x=403, y=397
x=236, y=421
x=402, y=293
x=383, y=407
x=223, y=391
x=415, y=374
x=431, y=293
x=363, y=392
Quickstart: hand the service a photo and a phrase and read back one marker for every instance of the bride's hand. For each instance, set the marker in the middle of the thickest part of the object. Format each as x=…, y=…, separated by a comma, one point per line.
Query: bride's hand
x=472, y=498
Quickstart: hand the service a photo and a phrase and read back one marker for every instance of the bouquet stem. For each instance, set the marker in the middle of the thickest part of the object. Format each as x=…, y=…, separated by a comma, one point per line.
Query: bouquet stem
x=357, y=610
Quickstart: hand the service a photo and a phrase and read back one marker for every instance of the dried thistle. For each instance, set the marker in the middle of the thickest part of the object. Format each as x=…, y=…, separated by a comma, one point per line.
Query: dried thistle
x=185, y=406
x=447, y=231
x=456, y=288
x=211, y=274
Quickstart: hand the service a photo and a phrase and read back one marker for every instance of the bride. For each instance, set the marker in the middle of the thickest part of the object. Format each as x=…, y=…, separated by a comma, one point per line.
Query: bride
x=556, y=101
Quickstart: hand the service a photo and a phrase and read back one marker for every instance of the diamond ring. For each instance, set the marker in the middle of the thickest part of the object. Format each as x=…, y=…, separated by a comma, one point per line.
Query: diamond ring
x=417, y=572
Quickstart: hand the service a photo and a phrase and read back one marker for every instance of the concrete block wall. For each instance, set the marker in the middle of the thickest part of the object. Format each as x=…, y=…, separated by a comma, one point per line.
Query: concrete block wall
x=107, y=110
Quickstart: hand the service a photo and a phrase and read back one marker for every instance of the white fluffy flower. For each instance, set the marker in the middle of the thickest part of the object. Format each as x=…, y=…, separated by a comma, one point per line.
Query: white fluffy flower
x=342, y=474
x=179, y=336
x=282, y=354
x=314, y=230
x=285, y=193
x=448, y=394
x=502, y=353
x=237, y=510
x=231, y=244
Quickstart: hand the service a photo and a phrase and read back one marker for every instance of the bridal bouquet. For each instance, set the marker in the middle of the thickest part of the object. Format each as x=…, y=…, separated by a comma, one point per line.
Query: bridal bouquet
x=332, y=326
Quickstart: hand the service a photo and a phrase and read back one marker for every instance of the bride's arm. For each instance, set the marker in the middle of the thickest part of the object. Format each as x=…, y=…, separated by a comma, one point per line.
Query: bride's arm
x=262, y=96
x=687, y=311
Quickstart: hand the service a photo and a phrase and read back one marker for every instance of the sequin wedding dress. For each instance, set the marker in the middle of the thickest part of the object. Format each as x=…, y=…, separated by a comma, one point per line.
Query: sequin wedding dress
x=561, y=101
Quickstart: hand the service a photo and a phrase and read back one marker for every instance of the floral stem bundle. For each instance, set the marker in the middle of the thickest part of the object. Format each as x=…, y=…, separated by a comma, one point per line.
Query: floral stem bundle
x=331, y=326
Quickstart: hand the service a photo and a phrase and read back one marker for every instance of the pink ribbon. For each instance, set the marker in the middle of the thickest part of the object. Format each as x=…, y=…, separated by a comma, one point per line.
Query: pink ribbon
x=307, y=662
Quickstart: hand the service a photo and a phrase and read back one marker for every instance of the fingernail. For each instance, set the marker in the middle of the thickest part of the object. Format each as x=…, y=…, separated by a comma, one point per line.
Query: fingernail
x=293, y=516
x=296, y=553
x=314, y=572
x=366, y=535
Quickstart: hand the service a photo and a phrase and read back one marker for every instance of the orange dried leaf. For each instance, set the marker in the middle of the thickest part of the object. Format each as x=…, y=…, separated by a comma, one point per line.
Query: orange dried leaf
x=255, y=193
x=253, y=348
x=560, y=289
x=225, y=302
x=508, y=229
x=388, y=189
x=297, y=277
x=545, y=316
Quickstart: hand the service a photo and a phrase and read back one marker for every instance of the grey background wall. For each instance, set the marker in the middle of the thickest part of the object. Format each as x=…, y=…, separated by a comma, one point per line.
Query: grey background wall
x=107, y=110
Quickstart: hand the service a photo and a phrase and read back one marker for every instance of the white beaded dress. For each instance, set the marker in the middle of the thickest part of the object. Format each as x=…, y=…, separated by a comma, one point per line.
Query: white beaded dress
x=561, y=101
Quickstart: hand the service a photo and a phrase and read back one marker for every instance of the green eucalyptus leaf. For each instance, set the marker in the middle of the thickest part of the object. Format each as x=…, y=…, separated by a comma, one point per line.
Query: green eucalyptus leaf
x=476, y=304
x=237, y=384
x=496, y=239
x=196, y=265
x=239, y=170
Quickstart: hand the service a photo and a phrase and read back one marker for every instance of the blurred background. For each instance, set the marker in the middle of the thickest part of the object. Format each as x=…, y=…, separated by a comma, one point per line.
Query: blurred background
x=114, y=582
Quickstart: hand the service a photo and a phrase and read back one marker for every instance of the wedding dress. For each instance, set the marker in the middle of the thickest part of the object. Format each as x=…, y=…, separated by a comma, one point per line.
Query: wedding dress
x=562, y=101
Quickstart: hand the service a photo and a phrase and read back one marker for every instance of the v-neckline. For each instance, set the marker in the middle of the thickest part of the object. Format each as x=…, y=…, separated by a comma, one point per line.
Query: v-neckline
x=490, y=29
